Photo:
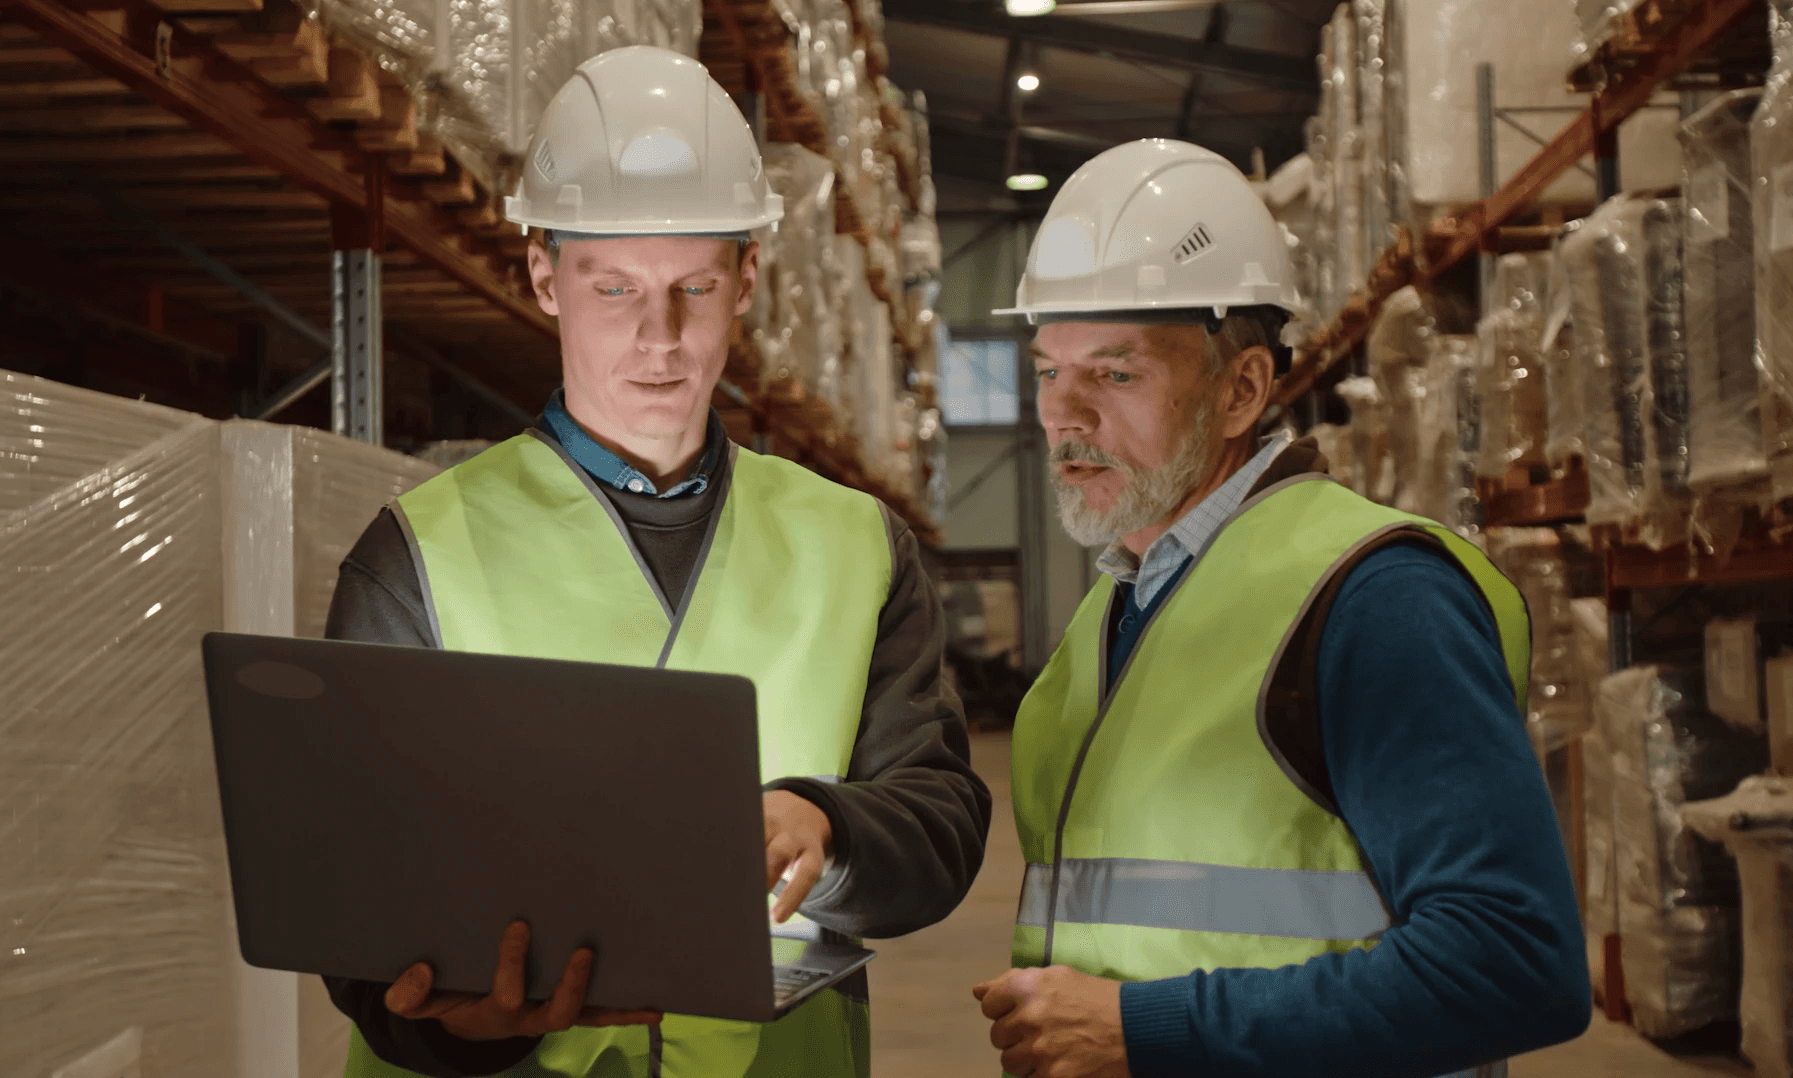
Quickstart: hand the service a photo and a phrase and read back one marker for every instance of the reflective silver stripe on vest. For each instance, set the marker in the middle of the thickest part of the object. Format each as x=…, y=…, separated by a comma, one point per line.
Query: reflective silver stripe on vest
x=1290, y=903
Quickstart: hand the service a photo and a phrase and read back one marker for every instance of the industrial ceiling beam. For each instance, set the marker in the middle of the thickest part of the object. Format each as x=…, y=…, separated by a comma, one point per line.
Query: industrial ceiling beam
x=1276, y=70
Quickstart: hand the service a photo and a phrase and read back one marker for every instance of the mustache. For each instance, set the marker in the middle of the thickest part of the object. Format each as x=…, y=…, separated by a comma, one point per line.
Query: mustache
x=1071, y=451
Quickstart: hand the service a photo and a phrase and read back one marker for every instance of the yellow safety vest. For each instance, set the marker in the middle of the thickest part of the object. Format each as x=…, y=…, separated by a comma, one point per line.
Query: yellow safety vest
x=1161, y=834
x=521, y=557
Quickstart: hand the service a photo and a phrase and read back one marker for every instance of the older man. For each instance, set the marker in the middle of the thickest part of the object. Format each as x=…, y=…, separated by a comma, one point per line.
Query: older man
x=625, y=528
x=1280, y=813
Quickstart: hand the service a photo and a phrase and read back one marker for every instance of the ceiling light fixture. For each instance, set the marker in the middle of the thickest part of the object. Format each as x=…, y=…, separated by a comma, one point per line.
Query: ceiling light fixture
x=1028, y=82
x=1030, y=7
x=1027, y=181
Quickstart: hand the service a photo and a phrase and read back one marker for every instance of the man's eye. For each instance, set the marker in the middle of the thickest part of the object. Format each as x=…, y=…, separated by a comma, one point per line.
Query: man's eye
x=613, y=291
x=1121, y=377
x=697, y=290
x=1048, y=374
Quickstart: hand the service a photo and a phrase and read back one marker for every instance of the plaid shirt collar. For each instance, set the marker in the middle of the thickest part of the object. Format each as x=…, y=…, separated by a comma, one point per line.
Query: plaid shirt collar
x=1190, y=536
x=606, y=467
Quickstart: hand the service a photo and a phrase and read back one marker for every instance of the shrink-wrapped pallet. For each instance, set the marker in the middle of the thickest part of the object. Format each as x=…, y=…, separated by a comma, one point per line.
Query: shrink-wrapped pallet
x=796, y=317
x=1565, y=382
x=1600, y=908
x=1756, y=824
x=1454, y=375
x=1771, y=164
x=1372, y=91
x=1677, y=891
x=1724, y=423
x=482, y=71
x=1529, y=44
x=1515, y=408
x=1348, y=150
x=1400, y=348
x=1372, y=463
x=1624, y=272
x=127, y=531
x=1321, y=150
x=1560, y=709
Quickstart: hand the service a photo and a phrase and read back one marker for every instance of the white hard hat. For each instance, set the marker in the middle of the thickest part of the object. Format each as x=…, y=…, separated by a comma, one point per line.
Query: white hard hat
x=642, y=141
x=1155, y=225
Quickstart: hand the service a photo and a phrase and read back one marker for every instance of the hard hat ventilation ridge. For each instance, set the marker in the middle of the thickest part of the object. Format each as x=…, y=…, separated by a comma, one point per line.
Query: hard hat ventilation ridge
x=1197, y=242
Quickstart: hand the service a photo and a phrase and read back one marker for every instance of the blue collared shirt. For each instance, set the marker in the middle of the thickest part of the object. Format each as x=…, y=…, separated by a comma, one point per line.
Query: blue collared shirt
x=1189, y=537
x=606, y=467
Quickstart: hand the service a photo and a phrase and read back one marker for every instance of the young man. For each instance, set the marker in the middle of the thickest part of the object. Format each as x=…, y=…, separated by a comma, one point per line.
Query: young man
x=626, y=529
x=1274, y=788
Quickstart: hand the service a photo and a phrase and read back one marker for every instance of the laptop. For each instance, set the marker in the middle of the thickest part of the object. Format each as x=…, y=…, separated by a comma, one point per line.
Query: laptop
x=387, y=805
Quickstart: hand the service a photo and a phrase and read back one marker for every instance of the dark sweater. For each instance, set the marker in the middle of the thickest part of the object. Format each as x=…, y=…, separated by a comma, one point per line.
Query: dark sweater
x=1431, y=768
x=909, y=818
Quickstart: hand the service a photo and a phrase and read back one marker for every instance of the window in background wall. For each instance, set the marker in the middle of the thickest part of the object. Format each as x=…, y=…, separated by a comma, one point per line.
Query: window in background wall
x=980, y=383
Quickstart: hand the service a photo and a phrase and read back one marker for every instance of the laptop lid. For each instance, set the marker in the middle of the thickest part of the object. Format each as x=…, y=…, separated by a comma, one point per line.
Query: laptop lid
x=385, y=805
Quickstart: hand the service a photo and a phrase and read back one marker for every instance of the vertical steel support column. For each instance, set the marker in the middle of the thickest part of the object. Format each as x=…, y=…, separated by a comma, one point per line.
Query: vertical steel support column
x=1606, y=162
x=1485, y=147
x=355, y=324
x=357, y=329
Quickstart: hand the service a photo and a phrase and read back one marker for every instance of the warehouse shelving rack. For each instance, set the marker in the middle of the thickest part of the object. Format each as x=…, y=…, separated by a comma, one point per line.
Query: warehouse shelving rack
x=296, y=145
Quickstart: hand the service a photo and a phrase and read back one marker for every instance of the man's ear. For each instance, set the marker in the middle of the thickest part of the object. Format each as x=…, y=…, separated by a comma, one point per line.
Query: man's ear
x=541, y=277
x=1250, y=378
x=750, y=277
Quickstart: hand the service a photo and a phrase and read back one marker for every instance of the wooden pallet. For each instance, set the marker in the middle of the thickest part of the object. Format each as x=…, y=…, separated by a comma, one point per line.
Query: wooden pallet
x=1529, y=496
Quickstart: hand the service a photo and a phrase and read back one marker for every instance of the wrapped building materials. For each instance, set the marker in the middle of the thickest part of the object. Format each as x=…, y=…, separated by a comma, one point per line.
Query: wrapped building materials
x=145, y=528
x=482, y=71
x=1450, y=434
x=1624, y=273
x=1515, y=397
x=1677, y=891
x=1560, y=705
x=1724, y=433
x=1736, y=649
x=1771, y=168
x=1566, y=412
x=1599, y=881
x=1347, y=157
x=1400, y=349
x=796, y=318
x=115, y=888
x=1529, y=43
x=1372, y=463
x=1372, y=92
x=1756, y=823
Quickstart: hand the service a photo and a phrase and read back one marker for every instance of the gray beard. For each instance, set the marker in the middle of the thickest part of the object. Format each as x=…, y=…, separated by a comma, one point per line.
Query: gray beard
x=1149, y=497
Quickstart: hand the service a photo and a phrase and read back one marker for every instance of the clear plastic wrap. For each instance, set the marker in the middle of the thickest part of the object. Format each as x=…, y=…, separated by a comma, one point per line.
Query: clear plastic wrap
x=1321, y=150
x=1372, y=84
x=1348, y=158
x=1334, y=443
x=115, y=890
x=1724, y=421
x=1560, y=701
x=1624, y=272
x=1528, y=42
x=1566, y=413
x=796, y=317
x=1599, y=885
x=1677, y=891
x=1373, y=464
x=1763, y=847
x=1400, y=348
x=1597, y=21
x=1515, y=399
x=1454, y=373
x=1771, y=166
x=482, y=71
x=869, y=389
x=146, y=528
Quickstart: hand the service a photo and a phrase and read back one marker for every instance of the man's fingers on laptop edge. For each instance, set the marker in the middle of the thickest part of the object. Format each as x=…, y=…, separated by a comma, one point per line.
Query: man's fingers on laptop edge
x=562, y=1011
x=411, y=991
x=513, y=952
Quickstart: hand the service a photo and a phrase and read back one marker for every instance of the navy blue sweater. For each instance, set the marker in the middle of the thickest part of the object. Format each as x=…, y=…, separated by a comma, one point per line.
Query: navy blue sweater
x=1434, y=774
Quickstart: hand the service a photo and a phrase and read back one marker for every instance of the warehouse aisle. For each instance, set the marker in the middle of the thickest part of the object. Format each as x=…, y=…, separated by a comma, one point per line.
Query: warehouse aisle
x=926, y=1025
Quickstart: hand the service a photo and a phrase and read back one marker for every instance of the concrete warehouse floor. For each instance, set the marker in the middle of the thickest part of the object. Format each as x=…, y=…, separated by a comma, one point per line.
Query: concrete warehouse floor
x=926, y=1025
